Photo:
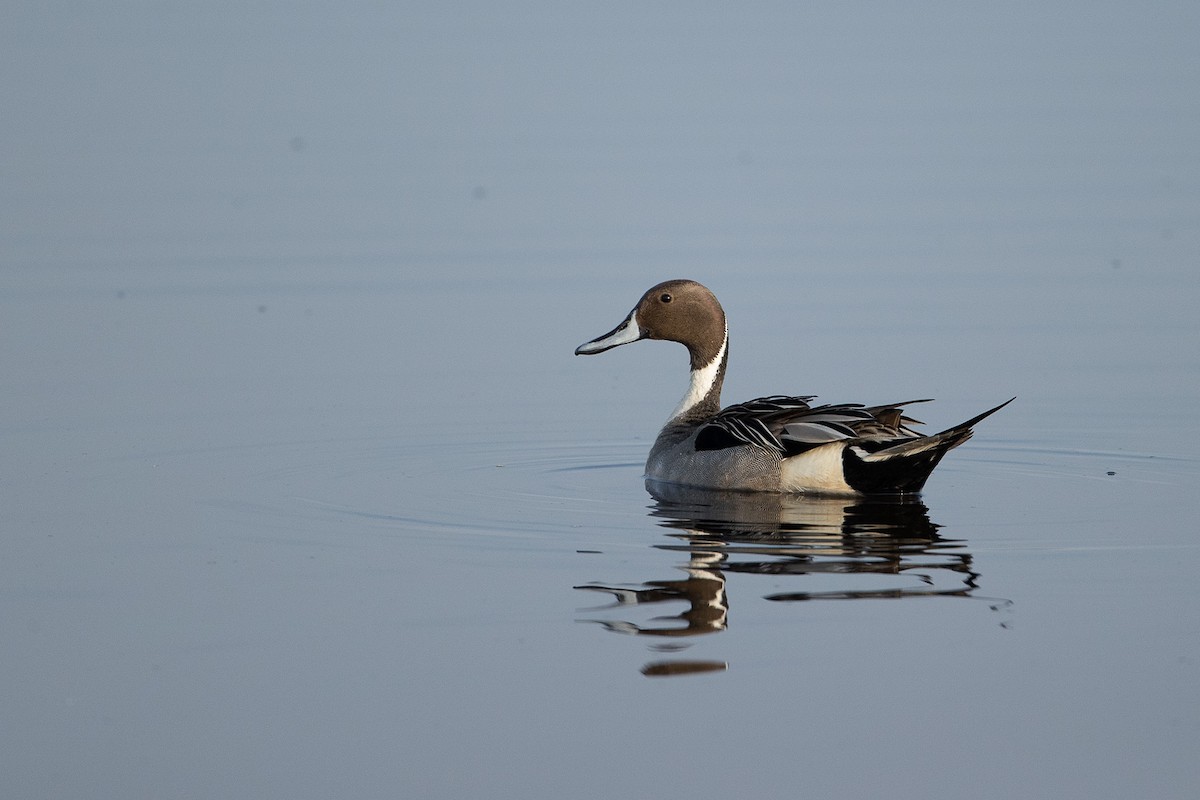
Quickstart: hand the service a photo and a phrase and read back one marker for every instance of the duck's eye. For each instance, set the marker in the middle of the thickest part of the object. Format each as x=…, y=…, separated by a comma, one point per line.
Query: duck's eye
x=666, y=297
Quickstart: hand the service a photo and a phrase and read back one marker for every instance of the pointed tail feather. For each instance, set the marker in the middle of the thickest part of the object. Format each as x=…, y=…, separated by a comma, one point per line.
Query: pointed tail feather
x=904, y=467
x=945, y=441
x=971, y=422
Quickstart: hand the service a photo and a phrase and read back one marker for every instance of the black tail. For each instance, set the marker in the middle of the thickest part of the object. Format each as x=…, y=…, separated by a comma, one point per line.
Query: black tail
x=904, y=467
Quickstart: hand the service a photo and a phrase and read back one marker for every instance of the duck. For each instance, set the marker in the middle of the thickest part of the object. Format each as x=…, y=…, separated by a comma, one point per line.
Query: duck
x=779, y=444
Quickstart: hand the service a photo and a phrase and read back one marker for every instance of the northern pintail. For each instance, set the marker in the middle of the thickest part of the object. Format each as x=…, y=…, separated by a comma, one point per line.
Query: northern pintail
x=777, y=443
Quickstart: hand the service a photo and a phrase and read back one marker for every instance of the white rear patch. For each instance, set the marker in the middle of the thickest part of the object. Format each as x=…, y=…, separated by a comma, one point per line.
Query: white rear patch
x=816, y=470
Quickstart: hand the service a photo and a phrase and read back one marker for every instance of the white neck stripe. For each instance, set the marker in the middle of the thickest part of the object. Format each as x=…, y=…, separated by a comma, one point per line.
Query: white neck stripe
x=702, y=381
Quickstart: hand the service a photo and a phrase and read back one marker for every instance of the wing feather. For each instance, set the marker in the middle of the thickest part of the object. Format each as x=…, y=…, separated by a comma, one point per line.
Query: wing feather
x=790, y=425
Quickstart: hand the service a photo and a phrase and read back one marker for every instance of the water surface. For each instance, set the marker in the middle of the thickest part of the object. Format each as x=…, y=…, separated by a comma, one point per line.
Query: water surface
x=303, y=493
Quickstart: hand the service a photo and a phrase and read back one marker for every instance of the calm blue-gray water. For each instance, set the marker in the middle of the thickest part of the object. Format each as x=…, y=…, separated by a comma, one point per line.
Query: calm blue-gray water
x=304, y=495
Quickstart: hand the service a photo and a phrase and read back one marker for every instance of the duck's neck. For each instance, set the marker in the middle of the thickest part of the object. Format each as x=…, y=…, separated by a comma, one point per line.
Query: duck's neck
x=703, y=398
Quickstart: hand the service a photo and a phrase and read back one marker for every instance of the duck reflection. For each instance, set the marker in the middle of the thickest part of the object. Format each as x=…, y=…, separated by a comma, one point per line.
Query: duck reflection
x=852, y=548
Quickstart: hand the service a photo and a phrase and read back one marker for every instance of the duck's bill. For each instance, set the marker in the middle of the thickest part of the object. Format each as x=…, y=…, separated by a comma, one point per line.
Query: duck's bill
x=628, y=331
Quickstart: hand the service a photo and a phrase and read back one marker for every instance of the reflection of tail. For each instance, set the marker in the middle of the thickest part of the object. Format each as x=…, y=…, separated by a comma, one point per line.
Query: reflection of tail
x=905, y=467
